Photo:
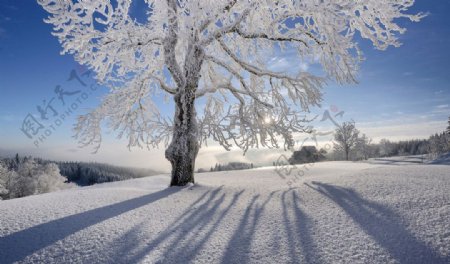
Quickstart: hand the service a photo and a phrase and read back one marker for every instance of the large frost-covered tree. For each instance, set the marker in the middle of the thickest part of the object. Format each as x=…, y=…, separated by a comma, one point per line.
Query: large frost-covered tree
x=219, y=50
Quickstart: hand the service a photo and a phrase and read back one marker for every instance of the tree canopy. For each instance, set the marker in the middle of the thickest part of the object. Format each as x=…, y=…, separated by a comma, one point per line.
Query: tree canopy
x=219, y=50
x=246, y=104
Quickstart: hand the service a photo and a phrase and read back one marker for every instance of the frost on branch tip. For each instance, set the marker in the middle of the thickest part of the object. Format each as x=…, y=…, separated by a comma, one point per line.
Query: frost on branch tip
x=142, y=59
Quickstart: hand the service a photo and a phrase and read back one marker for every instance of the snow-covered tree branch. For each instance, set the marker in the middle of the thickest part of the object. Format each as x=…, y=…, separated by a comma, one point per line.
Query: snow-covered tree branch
x=219, y=50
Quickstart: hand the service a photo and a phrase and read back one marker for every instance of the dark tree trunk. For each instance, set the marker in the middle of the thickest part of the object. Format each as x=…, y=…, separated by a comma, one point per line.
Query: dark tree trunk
x=346, y=153
x=184, y=147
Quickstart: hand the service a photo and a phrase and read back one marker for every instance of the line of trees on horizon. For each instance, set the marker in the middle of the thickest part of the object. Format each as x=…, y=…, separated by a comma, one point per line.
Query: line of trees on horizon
x=228, y=167
x=89, y=173
x=350, y=144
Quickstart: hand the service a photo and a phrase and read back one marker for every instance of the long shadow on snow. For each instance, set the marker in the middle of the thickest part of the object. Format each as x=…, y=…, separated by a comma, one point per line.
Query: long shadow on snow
x=128, y=244
x=186, y=235
x=417, y=160
x=382, y=224
x=296, y=223
x=17, y=246
x=238, y=248
x=302, y=248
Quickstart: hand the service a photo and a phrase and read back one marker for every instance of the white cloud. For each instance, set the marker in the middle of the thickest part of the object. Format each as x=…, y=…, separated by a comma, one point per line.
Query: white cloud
x=304, y=66
x=287, y=63
x=443, y=109
x=278, y=64
x=442, y=106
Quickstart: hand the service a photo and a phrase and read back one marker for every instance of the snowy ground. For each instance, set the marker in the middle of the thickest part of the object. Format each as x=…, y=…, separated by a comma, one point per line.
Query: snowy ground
x=338, y=212
x=415, y=159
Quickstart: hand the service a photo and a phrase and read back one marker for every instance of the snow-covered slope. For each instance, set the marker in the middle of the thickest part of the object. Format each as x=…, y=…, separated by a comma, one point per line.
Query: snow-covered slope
x=412, y=159
x=444, y=159
x=338, y=212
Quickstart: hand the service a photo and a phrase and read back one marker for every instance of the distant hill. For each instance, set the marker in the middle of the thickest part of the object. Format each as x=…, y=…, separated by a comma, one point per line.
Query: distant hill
x=84, y=173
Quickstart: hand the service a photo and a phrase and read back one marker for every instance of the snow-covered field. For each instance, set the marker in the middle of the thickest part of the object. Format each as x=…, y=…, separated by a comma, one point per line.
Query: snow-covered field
x=338, y=212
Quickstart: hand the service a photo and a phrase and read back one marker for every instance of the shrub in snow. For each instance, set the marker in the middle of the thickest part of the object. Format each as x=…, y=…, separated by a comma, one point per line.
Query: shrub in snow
x=50, y=179
x=4, y=176
x=307, y=154
x=30, y=178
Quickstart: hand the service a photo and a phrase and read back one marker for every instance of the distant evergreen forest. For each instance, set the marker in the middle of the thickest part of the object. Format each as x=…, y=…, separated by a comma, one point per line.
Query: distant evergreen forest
x=83, y=173
x=228, y=167
x=88, y=173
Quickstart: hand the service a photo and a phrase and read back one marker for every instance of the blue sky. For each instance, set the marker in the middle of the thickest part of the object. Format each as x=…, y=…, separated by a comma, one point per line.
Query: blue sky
x=402, y=92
